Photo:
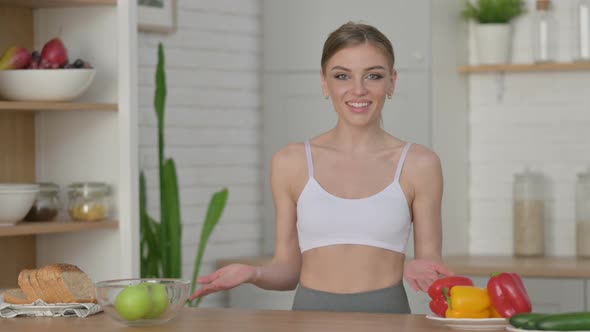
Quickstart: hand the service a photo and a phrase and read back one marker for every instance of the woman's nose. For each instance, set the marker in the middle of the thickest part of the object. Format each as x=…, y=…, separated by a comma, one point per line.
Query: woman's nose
x=359, y=87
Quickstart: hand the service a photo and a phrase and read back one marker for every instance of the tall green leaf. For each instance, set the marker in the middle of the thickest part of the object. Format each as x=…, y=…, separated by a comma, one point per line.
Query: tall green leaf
x=160, y=96
x=173, y=223
x=149, y=230
x=151, y=267
x=214, y=212
x=159, y=106
x=161, y=255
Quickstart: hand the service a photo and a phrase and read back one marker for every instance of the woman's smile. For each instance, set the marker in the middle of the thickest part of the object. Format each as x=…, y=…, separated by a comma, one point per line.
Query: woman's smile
x=359, y=106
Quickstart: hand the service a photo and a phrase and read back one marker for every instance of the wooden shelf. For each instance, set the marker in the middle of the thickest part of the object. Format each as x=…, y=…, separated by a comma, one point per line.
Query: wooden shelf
x=540, y=67
x=56, y=3
x=58, y=226
x=53, y=106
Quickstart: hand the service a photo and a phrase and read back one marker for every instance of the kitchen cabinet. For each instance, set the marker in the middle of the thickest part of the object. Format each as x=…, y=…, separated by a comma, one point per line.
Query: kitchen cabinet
x=429, y=102
x=93, y=138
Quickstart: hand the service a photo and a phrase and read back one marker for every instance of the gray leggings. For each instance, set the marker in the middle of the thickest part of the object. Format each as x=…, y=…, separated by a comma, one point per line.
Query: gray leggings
x=392, y=299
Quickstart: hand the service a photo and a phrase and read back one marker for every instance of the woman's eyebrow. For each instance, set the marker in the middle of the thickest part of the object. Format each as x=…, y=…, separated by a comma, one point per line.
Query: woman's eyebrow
x=340, y=68
x=375, y=67
x=366, y=69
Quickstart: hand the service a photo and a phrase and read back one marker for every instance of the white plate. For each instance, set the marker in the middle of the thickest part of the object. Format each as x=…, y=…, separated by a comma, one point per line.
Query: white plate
x=511, y=328
x=51, y=307
x=470, y=324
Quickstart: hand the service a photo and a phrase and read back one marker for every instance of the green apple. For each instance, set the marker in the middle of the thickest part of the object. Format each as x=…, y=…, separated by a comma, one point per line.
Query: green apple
x=159, y=300
x=133, y=302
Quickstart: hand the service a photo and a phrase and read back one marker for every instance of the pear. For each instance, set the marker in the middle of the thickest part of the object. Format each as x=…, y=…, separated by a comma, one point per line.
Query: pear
x=15, y=58
x=54, y=53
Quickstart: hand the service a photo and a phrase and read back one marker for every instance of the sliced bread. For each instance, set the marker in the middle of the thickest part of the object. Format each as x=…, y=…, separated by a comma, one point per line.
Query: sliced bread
x=24, y=283
x=75, y=285
x=53, y=283
x=15, y=296
x=48, y=284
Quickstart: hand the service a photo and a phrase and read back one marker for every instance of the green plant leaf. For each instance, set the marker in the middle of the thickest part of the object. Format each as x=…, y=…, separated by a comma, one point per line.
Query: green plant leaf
x=493, y=11
x=214, y=212
x=152, y=266
x=159, y=106
x=173, y=223
x=149, y=245
x=160, y=95
x=144, y=246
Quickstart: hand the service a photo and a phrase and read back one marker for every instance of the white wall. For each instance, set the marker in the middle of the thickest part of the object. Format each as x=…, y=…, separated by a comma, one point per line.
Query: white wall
x=212, y=123
x=542, y=121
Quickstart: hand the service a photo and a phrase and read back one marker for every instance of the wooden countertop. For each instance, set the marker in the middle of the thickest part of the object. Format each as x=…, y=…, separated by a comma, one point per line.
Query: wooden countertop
x=540, y=267
x=221, y=319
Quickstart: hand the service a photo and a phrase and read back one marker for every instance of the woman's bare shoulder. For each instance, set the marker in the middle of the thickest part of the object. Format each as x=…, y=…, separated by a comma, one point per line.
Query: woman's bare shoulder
x=291, y=157
x=421, y=158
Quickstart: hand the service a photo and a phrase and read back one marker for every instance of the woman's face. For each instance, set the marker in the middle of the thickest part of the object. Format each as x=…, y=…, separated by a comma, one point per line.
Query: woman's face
x=358, y=79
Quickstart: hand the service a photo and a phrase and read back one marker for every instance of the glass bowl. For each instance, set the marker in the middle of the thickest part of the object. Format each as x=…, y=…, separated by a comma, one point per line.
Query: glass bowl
x=141, y=302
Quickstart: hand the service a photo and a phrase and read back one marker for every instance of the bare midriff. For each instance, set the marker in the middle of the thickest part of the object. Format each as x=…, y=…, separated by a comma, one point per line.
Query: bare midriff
x=348, y=268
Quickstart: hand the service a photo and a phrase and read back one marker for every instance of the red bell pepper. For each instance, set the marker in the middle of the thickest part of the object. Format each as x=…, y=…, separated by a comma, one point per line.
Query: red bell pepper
x=438, y=305
x=508, y=294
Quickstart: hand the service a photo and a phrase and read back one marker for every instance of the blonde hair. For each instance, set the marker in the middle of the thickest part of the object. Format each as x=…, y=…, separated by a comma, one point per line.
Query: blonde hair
x=353, y=34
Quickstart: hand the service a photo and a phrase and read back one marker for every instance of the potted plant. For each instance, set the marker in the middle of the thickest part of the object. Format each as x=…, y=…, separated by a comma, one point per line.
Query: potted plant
x=160, y=241
x=493, y=31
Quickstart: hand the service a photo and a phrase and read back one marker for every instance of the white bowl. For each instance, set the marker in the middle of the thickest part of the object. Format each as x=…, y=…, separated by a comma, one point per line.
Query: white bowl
x=15, y=201
x=45, y=84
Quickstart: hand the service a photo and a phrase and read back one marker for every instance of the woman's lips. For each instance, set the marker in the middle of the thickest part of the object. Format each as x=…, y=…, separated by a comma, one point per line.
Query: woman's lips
x=358, y=107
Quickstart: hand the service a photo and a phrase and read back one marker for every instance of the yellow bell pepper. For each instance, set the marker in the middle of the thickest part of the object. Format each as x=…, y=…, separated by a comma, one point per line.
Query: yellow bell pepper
x=468, y=302
x=494, y=313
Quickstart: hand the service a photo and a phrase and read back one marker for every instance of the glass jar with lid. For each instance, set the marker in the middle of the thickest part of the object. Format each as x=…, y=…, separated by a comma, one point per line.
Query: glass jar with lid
x=89, y=201
x=47, y=204
x=583, y=215
x=581, y=30
x=529, y=214
x=544, y=32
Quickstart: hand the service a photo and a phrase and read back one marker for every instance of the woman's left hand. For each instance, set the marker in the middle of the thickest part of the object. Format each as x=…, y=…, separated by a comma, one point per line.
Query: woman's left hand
x=421, y=273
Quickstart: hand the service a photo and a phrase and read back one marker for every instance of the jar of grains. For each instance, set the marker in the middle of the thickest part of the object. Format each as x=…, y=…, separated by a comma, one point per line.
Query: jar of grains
x=583, y=215
x=47, y=205
x=89, y=201
x=529, y=214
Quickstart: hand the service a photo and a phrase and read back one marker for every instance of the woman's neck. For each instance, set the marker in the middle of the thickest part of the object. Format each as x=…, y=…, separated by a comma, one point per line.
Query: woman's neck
x=356, y=139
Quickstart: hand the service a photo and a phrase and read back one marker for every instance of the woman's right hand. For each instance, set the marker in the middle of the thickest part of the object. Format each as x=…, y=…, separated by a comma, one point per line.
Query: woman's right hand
x=225, y=278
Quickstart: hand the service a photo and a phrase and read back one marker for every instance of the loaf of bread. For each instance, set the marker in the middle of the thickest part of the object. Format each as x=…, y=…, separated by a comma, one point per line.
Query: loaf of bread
x=54, y=283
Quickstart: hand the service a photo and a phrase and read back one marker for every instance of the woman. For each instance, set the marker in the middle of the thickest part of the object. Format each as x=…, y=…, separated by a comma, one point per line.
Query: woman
x=345, y=200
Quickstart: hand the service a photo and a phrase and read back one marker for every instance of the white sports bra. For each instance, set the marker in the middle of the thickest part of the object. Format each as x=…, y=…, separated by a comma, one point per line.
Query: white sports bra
x=381, y=220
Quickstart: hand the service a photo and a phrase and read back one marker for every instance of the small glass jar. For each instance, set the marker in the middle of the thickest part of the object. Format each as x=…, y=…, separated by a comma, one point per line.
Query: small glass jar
x=583, y=215
x=89, y=201
x=529, y=214
x=47, y=205
x=544, y=33
x=581, y=33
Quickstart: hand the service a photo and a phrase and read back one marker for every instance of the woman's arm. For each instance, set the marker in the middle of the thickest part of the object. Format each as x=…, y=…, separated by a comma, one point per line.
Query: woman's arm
x=427, y=180
x=282, y=273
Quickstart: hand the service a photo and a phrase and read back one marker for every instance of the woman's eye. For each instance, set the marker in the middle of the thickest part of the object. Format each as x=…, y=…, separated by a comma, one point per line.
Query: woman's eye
x=341, y=76
x=374, y=76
